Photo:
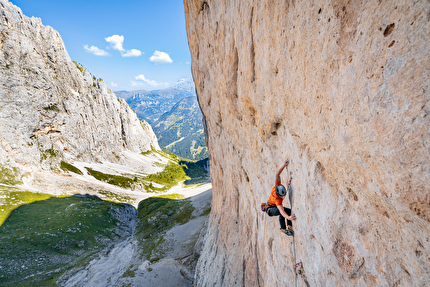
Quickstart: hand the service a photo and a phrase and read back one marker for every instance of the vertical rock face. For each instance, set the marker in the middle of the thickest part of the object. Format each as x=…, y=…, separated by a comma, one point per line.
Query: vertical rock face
x=51, y=108
x=341, y=86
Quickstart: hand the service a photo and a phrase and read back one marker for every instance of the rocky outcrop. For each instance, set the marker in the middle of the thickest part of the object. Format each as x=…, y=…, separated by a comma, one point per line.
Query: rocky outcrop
x=343, y=88
x=53, y=109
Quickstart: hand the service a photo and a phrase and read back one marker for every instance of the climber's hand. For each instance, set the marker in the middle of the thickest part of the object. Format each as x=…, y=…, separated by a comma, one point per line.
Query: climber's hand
x=287, y=159
x=292, y=217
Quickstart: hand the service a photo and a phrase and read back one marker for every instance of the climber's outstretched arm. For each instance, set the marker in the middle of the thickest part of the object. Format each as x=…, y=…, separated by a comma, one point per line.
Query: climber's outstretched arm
x=278, y=174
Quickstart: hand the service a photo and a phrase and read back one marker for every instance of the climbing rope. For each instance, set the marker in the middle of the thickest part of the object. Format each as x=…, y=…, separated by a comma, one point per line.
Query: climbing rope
x=296, y=264
x=295, y=272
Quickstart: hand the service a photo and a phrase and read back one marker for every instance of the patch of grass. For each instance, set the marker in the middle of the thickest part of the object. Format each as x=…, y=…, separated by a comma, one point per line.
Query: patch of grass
x=156, y=215
x=110, y=196
x=52, y=107
x=172, y=174
x=10, y=175
x=68, y=167
x=169, y=154
x=117, y=180
x=158, y=164
x=42, y=240
x=47, y=154
x=148, y=152
x=207, y=211
x=116, y=156
x=173, y=196
x=11, y=198
x=129, y=273
x=80, y=68
x=177, y=170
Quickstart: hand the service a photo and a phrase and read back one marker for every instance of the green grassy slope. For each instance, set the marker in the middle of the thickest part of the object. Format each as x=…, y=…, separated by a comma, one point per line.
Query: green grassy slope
x=181, y=130
x=156, y=215
x=41, y=240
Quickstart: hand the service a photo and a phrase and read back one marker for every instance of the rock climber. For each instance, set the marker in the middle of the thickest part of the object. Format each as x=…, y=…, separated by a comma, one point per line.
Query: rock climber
x=275, y=206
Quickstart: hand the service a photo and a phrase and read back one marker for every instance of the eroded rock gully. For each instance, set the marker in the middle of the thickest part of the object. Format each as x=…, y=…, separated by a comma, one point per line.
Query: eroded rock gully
x=343, y=87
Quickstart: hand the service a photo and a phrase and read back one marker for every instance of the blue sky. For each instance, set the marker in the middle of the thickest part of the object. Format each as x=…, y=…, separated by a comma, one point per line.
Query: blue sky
x=130, y=44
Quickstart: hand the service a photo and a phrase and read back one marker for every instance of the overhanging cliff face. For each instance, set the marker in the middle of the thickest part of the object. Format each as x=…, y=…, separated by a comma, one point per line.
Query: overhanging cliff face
x=343, y=87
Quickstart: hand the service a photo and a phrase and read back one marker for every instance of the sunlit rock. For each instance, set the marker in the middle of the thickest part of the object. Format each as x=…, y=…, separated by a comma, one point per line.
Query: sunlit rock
x=53, y=109
x=341, y=86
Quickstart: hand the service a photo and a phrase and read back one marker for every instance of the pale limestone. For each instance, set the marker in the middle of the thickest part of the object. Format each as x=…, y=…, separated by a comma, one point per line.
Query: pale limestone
x=52, y=109
x=341, y=86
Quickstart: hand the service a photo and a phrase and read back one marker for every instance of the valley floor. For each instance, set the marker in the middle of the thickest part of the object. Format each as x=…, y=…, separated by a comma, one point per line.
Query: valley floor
x=124, y=266
x=154, y=243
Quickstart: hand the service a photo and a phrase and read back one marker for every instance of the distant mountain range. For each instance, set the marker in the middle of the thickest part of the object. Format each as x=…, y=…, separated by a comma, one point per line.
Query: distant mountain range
x=181, y=130
x=150, y=105
x=175, y=116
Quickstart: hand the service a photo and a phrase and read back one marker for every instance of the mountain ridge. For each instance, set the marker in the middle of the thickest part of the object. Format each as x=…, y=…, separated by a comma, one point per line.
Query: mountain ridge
x=186, y=139
x=52, y=109
x=181, y=130
x=150, y=105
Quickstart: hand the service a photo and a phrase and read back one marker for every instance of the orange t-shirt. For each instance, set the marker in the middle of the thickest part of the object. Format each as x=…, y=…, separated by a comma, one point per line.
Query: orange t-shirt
x=274, y=199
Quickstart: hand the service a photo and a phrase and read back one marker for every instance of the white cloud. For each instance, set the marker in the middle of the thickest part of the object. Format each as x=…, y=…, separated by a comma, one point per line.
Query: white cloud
x=160, y=57
x=187, y=63
x=147, y=81
x=113, y=85
x=96, y=51
x=132, y=53
x=116, y=42
x=136, y=84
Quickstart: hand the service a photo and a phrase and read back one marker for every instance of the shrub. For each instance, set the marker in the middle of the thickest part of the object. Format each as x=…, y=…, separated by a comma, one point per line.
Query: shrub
x=52, y=107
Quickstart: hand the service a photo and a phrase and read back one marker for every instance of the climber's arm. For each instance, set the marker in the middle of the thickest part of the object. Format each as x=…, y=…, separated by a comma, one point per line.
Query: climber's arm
x=278, y=174
x=284, y=214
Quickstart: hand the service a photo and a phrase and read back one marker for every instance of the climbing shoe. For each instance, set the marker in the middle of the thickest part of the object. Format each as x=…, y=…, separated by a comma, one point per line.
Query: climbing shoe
x=288, y=232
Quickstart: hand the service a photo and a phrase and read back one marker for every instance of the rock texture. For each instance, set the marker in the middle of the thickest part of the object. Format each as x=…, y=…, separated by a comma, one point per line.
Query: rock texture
x=52, y=109
x=341, y=86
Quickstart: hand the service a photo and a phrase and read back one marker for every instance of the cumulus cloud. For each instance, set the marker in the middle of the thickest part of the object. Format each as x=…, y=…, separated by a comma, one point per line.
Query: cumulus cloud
x=96, y=51
x=147, y=81
x=113, y=85
x=160, y=58
x=116, y=42
x=132, y=53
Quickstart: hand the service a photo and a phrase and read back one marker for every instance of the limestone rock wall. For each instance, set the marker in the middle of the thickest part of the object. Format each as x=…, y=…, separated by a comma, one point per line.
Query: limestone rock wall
x=53, y=109
x=343, y=88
